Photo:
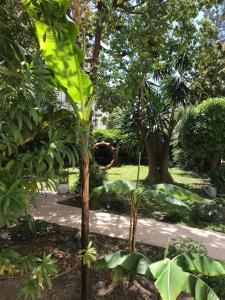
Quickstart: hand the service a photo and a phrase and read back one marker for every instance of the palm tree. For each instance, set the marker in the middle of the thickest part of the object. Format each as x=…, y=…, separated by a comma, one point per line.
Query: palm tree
x=152, y=114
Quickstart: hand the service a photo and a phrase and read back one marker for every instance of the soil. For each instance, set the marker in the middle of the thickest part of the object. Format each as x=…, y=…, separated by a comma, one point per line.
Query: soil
x=64, y=243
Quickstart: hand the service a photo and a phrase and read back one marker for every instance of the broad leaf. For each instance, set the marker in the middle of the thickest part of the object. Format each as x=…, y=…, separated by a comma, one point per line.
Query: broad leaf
x=57, y=35
x=198, y=289
x=133, y=262
x=170, y=278
x=172, y=194
x=176, y=192
x=114, y=186
x=192, y=262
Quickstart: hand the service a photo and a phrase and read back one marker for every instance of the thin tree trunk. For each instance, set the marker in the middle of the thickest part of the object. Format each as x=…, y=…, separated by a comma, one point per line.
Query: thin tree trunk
x=85, y=280
x=134, y=229
x=131, y=224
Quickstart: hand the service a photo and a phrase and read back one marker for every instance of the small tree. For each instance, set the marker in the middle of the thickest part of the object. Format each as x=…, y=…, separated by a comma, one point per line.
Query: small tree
x=57, y=35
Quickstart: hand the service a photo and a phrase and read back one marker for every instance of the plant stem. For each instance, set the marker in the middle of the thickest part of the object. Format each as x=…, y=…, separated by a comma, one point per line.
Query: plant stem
x=139, y=168
x=85, y=280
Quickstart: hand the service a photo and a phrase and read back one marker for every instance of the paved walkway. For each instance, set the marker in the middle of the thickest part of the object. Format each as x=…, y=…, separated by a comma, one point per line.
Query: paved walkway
x=149, y=231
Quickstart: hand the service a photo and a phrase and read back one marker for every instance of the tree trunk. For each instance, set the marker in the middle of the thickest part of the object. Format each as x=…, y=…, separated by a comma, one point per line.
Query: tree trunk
x=158, y=158
x=165, y=176
x=153, y=170
x=85, y=281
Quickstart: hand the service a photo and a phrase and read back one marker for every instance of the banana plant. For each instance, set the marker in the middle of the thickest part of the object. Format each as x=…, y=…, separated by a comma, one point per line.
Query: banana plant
x=171, y=276
x=159, y=192
x=57, y=35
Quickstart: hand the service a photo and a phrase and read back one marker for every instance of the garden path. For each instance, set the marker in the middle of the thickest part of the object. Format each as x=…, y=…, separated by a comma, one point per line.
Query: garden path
x=149, y=231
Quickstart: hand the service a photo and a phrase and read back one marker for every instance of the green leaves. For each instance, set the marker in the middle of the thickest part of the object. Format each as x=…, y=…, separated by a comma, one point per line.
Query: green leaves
x=88, y=255
x=199, y=289
x=192, y=262
x=57, y=35
x=13, y=202
x=114, y=186
x=123, y=263
x=34, y=271
x=159, y=192
x=172, y=277
x=173, y=194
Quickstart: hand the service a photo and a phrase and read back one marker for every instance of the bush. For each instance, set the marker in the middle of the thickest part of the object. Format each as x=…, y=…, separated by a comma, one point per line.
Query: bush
x=63, y=177
x=97, y=177
x=28, y=228
x=217, y=177
x=179, y=245
x=203, y=133
x=209, y=212
x=112, y=202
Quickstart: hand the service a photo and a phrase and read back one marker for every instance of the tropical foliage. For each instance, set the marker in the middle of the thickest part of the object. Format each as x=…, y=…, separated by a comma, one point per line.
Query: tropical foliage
x=34, y=271
x=57, y=33
x=171, y=276
x=30, y=150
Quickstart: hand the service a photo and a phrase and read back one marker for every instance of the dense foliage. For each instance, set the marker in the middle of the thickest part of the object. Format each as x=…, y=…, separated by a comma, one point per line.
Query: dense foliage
x=31, y=148
x=171, y=276
x=203, y=133
x=127, y=144
x=217, y=177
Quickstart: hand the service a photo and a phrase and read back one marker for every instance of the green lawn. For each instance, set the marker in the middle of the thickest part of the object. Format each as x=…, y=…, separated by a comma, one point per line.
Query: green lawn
x=189, y=179
x=129, y=172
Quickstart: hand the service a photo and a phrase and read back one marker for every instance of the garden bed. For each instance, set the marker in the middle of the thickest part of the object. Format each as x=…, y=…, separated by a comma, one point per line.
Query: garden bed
x=64, y=243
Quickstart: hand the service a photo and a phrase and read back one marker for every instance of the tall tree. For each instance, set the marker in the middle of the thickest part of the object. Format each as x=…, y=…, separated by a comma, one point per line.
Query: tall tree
x=136, y=52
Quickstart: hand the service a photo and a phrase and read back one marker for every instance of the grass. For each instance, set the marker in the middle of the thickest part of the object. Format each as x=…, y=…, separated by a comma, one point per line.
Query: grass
x=189, y=179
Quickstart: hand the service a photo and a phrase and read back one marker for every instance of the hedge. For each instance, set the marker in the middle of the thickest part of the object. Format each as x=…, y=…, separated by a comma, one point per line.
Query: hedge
x=203, y=134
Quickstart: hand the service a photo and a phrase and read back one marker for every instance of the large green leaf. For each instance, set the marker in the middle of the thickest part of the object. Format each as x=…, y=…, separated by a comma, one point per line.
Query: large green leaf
x=57, y=35
x=114, y=186
x=132, y=262
x=192, y=262
x=172, y=194
x=170, y=278
x=198, y=289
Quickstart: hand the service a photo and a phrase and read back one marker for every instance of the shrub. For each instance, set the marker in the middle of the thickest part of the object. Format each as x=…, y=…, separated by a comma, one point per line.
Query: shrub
x=209, y=212
x=63, y=177
x=179, y=245
x=203, y=133
x=217, y=177
x=108, y=135
x=97, y=177
x=112, y=202
x=28, y=228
